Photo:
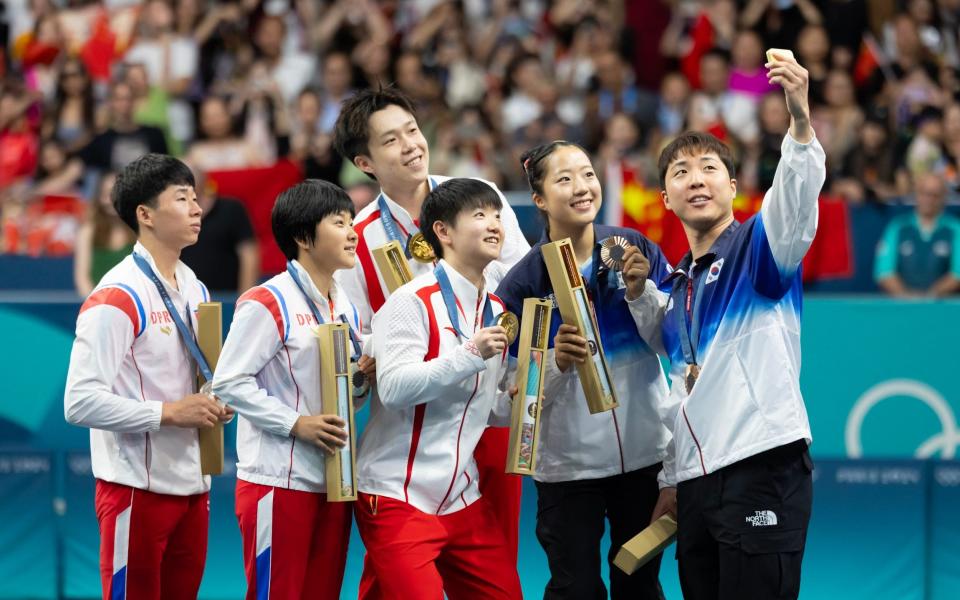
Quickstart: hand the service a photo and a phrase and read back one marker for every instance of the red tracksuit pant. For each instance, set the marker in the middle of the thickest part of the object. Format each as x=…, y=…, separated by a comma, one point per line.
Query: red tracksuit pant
x=152, y=545
x=502, y=490
x=294, y=542
x=418, y=556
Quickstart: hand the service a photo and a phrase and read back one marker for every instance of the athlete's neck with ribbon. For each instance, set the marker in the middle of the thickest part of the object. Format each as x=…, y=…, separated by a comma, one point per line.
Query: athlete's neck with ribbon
x=164, y=258
x=450, y=301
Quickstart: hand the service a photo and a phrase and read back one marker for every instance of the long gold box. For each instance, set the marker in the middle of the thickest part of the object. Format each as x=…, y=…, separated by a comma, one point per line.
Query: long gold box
x=577, y=310
x=531, y=359
x=210, y=340
x=392, y=264
x=647, y=544
x=336, y=398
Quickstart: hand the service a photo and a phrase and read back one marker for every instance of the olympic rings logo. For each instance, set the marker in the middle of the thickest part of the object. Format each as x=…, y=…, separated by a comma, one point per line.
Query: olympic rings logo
x=945, y=442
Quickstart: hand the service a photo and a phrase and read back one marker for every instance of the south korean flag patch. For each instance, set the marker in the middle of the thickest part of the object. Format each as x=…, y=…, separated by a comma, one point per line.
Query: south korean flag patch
x=714, y=272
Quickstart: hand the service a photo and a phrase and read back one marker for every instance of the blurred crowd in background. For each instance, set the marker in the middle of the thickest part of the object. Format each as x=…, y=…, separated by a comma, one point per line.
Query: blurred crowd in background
x=89, y=85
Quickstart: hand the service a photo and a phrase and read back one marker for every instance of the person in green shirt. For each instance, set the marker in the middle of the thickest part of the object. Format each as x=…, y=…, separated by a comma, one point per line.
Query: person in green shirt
x=919, y=254
x=102, y=241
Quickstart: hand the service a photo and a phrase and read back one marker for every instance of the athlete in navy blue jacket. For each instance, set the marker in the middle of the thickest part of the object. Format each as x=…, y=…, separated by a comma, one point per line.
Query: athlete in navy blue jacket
x=591, y=466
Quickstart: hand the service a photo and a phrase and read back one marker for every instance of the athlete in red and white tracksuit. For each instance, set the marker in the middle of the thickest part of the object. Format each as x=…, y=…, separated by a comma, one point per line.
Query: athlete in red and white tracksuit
x=151, y=499
x=294, y=541
x=420, y=512
x=366, y=288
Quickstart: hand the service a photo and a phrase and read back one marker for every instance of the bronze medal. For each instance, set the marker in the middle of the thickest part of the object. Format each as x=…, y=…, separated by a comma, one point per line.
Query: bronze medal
x=510, y=323
x=420, y=249
x=690, y=378
x=612, y=251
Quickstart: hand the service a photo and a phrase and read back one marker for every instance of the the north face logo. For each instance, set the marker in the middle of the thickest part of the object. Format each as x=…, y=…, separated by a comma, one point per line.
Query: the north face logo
x=763, y=518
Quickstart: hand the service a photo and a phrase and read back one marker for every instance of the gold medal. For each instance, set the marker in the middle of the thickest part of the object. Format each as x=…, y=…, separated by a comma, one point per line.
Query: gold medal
x=510, y=323
x=612, y=251
x=420, y=249
x=690, y=378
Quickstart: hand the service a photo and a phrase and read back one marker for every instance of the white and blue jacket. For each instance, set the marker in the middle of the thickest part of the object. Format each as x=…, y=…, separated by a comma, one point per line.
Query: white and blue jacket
x=747, y=398
x=575, y=444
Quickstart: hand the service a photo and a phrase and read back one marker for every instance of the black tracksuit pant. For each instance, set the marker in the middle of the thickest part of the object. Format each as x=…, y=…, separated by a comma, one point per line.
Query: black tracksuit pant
x=742, y=529
x=570, y=524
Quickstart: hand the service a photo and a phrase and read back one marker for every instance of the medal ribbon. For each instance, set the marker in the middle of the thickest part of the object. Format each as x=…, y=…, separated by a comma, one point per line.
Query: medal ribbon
x=316, y=311
x=390, y=224
x=185, y=334
x=450, y=301
x=690, y=331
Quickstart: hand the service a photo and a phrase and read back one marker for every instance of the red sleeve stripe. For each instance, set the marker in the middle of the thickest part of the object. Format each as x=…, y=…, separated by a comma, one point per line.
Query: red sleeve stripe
x=374, y=291
x=121, y=298
x=269, y=300
x=433, y=350
x=433, y=346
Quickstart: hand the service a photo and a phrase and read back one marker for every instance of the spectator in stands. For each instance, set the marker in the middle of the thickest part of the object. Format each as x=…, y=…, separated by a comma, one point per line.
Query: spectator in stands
x=695, y=28
x=57, y=174
x=925, y=152
x=40, y=55
x=124, y=140
x=170, y=60
x=909, y=81
x=151, y=104
x=226, y=256
x=337, y=82
x=813, y=51
x=374, y=63
x=102, y=241
x=291, y=70
x=354, y=25
x=612, y=91
x=622, y=145
x=919, y=254
x=674, y=97
x=421, y=86
x=838, y=121
x=525, y=79
x=223, y=41
x=310, y=144
x=18, y=136
x=951, y=146
x=774, y=124
x=748, y=76
x=223, y=145
x=867, y=172
x=464, y=79
x=71, y=119
x=465, y=148
x=924, y=15
x=734, y=114
x=779, y=23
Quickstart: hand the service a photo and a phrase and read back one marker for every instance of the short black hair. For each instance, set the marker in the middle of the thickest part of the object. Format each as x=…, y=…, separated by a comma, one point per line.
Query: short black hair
x=299, y=208
x=351, y=134
x=694, y=142
x=534, y=162
x=717, y=52
x=449, y=199
x=143, y=180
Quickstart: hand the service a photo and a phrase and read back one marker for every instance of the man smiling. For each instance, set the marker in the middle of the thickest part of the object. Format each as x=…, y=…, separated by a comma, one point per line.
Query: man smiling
x=738, y=472
x=378, y=132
